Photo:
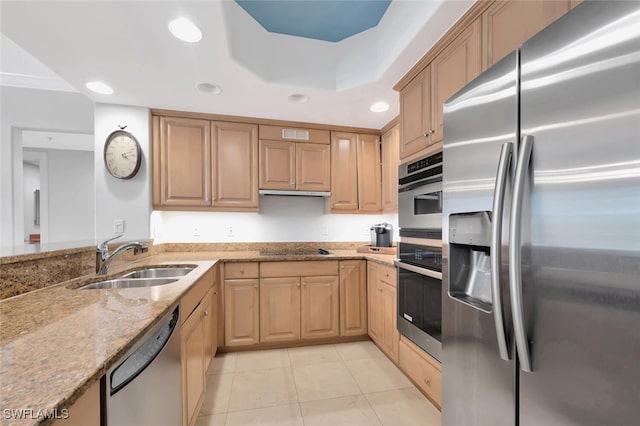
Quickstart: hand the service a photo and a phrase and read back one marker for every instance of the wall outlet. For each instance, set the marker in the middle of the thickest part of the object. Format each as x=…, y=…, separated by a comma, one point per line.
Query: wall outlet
x=196, y=232
x=324, y=230
x=118, y=226
x=230, y=231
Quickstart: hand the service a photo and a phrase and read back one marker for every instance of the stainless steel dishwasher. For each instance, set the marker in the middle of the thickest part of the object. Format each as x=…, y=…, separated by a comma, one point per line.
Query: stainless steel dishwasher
x=145, y=386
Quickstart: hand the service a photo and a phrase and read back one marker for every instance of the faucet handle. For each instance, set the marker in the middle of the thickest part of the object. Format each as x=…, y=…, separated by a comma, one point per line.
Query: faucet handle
x=102, y=247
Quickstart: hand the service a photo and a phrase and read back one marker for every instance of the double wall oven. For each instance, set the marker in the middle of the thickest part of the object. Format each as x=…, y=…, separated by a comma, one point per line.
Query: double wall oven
x=420, y=253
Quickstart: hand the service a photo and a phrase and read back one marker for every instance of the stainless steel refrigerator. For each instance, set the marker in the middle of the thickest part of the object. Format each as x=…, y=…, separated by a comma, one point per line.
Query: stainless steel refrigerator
x=541, y=230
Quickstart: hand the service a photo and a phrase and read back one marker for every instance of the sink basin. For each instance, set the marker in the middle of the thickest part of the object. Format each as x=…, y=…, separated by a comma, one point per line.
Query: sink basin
x=160, y=272
x=129, y=283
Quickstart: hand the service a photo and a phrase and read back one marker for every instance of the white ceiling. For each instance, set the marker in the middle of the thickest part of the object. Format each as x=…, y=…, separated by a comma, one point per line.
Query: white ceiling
x=127, y=45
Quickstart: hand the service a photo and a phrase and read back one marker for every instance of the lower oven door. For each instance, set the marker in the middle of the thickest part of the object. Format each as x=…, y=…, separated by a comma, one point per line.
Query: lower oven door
x=420, y=307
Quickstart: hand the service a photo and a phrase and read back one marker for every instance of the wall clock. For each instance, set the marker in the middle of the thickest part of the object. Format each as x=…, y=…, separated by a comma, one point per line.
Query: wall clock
x=122, y=154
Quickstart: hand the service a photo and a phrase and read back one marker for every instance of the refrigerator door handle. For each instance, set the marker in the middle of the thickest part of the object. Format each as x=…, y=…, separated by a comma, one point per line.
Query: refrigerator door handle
x=515, y=258
x=496, y=246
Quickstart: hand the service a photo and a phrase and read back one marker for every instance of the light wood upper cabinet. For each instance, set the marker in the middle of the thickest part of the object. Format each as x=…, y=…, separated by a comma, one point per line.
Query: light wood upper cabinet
x=452, y=69
x=353, y=298
x=369, y=173
x=235, y=166
x=508, y=24
x=279, y=309
x=416, y=118
x=241, y=312
x=313, y=167
x=277, y=165
x=390, y=161
x=181, y=165
x=319, y=312
x=344, y=172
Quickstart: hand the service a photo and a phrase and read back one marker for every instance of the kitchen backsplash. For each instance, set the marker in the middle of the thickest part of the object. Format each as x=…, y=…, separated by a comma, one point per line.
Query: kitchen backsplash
x=281, y=219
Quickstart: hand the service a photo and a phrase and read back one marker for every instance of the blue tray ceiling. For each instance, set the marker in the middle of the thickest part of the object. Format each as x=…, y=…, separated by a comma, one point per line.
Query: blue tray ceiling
x=328, y=20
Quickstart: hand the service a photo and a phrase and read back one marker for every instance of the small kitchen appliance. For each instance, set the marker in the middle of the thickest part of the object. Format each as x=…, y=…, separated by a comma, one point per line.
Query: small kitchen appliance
x=382, y=235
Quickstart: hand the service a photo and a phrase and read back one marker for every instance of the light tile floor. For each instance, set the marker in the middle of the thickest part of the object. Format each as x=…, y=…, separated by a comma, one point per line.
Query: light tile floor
x=347, y=384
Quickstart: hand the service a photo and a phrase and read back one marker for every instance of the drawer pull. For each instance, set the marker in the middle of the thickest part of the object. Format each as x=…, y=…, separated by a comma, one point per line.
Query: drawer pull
x=427, y=381
x=242, y=270
x=206, y=313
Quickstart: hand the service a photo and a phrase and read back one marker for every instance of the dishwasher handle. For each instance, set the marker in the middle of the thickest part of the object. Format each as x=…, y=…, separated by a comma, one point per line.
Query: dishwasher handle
x=143, y=356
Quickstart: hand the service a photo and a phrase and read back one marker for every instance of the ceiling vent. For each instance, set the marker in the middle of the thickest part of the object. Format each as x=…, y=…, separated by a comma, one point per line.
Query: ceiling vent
x=300, y=135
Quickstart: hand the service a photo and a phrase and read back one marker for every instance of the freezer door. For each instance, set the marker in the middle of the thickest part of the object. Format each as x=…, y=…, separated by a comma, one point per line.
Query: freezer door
x=580, y=103
x=478, y=386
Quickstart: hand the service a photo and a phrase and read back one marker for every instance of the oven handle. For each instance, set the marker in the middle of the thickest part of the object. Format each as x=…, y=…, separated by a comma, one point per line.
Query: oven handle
x=496, y=246
x=422, y=271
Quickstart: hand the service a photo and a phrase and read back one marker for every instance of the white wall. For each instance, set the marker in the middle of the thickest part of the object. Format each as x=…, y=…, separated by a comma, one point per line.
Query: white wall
x=280, y=219
x=71, y=195
x=31, y=182
x=32, y=109
x=129, y=200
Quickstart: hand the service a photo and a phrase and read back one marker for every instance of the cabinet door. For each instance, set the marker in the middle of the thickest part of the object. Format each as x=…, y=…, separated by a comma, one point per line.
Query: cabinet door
x=373, y=302
x=181, y=162
x=279, y=309
x=388, y=306
x=415, y=115
x=452, y=69
x=241, y=312
x=508, y=24
x=210, y=327
x=277, y=165
x=193, y=377
x=320, y=307
x=353, y=298
x=390, y=161
x=313, y=167
x=369, y=173
x=344, y=172
x=235, y=166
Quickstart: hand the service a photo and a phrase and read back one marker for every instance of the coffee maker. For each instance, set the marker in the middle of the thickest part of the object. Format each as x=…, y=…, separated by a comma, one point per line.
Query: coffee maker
x=382, y=235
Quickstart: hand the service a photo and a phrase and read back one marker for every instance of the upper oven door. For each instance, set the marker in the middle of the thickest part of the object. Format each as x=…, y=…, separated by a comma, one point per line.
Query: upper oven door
x=420, y=206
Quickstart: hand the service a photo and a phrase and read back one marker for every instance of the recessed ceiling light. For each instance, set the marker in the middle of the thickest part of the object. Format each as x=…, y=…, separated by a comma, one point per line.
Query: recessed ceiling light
x=209, y=88
x=299, y=98
x=379, y=107
x=99, y=87
x=185, y=30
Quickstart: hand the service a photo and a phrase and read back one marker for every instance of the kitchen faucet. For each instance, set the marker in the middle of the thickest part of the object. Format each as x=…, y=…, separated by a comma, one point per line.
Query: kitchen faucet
x=104, y=259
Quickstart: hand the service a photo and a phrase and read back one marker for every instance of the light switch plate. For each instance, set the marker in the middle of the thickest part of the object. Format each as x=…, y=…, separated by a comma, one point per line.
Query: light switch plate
x=118, y=226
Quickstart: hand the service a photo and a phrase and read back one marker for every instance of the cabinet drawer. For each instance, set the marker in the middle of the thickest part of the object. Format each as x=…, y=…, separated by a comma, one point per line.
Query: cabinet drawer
x=299, y=268
x=241, y=270
x=422, y=371
x=388, y=275
x=195, y=294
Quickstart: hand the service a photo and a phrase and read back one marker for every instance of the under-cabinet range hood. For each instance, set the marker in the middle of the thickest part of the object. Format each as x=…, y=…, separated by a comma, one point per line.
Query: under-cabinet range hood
x=295, y=193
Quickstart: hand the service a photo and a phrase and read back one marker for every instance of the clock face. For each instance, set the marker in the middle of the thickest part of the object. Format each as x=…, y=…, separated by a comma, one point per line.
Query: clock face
x=122, y=155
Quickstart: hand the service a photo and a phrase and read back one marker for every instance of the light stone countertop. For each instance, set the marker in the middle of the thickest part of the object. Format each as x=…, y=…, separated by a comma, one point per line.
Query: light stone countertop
x=57, y=341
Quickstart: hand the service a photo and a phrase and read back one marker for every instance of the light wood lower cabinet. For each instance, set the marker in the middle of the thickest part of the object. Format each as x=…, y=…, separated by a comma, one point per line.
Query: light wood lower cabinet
x=279, y=309
x=193, y=371
x=381, y=286
x=319, y=310
x=210, y=318
x=241, y=312
x=422, y=369
x=353, y=298
x=85, y=411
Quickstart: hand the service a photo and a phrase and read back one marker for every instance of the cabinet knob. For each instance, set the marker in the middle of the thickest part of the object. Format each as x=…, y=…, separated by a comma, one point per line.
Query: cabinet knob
x=425, y=134
x=427, y=381
x=242, y=270
x=380, y=290
x=215, y=293
x=431, y=131
x=298, y=285
x=206, y=313
x=255, y=286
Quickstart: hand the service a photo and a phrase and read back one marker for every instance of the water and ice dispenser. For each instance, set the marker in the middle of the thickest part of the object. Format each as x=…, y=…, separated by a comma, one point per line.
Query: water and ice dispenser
x=470, y=259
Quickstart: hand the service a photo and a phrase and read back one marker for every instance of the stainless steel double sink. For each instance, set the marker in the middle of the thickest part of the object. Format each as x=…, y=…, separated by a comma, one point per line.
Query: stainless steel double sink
x=152, y=276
